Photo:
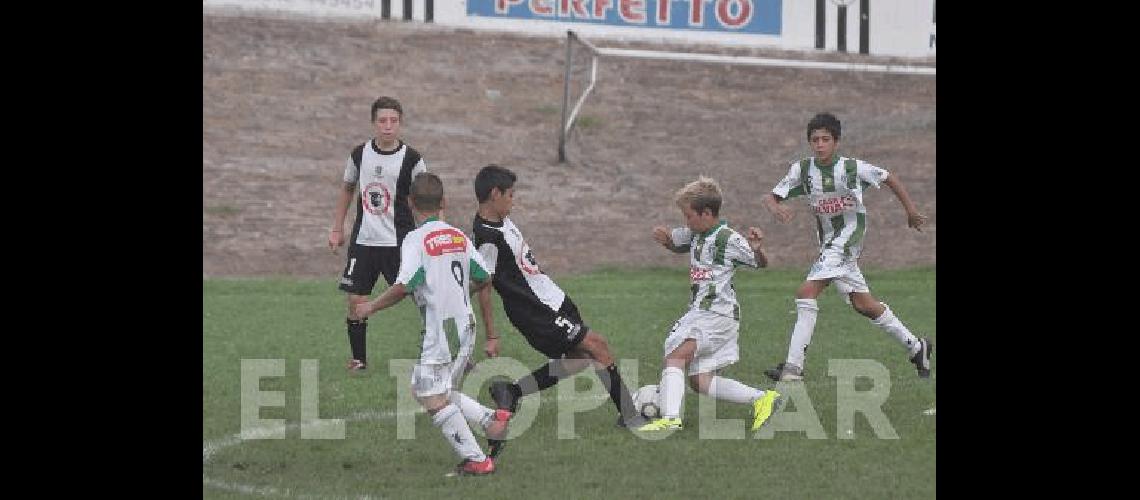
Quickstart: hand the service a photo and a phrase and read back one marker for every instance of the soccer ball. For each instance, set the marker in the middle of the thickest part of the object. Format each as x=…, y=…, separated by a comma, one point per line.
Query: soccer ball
x=647, y=401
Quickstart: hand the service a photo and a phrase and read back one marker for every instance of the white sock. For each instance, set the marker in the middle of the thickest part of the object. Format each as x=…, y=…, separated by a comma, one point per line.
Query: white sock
x=806, y=311
x=457, y=433
x=474, y=412
x=672, y=391
x=732, y=390
x=891, y=324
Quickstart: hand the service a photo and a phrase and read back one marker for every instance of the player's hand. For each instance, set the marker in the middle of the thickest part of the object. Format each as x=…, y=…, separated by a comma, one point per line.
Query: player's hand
x=661, y=234
x=362, y=309
x=783, y=213
x=755, y=237
x=916, y=220
x=491, y=348
x=336, y=239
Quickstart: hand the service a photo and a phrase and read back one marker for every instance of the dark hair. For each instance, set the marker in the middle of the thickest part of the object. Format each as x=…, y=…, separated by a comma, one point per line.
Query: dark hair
x=426, y=191
x=825, y=121
x=492, y=176
x=385, y=102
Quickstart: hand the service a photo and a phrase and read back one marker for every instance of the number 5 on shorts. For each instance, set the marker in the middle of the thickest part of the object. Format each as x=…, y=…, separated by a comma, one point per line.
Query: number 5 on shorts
x=564, y=323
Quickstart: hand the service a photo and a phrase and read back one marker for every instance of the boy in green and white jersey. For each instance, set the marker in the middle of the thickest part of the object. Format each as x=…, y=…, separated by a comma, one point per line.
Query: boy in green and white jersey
x=440, y=267
x=834, y=186
x=705, y=339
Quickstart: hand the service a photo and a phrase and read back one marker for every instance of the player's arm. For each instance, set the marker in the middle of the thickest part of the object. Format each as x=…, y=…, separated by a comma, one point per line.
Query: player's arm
x=389, y=298
x=668, y=238
x=488, y=254
x=344, y=199
x=914, y=218
x=410, y=276
x=773, y=203
x=663, y=236
x=336, y=232
x=756, y=243
x=789, y=187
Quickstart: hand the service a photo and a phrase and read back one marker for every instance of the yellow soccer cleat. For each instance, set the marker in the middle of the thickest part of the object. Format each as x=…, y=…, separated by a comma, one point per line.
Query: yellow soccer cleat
x=764, y=407
x=661, y=424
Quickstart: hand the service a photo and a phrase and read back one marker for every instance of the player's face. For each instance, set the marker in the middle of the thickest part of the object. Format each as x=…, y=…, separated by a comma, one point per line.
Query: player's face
x=504, y=201
x=698, y=222
x=387, y=126
x=823, y=144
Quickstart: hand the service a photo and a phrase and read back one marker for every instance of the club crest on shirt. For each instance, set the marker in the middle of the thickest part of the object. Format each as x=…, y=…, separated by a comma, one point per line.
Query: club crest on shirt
x=526, y=260
x=376, y=198
x=379, y=170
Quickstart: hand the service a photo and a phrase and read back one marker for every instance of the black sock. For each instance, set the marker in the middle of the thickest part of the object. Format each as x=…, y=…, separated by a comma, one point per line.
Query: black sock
x=356, y=330
x=618, y=393
x=537, y=380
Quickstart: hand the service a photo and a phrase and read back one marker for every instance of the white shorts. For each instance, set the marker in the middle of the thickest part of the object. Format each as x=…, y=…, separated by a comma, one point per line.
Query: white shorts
x=842, y=270
x=716, y=338
x=436, y=379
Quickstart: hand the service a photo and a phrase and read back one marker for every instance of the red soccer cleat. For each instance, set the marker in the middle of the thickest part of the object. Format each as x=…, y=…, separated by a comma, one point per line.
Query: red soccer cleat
x=472, y=468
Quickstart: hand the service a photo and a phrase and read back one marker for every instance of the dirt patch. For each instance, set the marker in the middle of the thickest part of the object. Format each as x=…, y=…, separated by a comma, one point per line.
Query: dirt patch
x=286, y=99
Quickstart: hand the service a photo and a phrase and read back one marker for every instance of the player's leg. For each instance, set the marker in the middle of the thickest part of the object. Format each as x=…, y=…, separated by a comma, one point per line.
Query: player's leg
x=679, y=348
x=854, y=286
x=431, y=385
x=717, y=348
x=594, y=345
x=361, y=271
x=554, y=334
x=806, y=311
x=493, y=422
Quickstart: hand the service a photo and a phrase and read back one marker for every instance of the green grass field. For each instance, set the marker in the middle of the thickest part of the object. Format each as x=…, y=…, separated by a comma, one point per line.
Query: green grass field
x=294, y=320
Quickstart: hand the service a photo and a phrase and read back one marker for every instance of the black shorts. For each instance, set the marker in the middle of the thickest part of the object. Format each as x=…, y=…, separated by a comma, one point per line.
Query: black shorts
x=365, y=265
x=552, y=333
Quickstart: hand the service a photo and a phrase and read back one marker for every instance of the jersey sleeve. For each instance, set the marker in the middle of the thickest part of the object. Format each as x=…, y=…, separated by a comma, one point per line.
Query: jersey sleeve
x=791, y=185
x=420, y=167
x=411, y=272
x=870, y=174
x=478, y=263
x=351, y=171
x=489, y=252
x=682, y=237
x=739, y=252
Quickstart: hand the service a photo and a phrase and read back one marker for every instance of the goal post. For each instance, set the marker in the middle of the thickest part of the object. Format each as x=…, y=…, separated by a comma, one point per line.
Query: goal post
x=576, y=43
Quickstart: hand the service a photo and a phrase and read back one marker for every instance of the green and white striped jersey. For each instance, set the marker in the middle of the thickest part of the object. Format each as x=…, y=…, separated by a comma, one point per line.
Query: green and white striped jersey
x=713, y=257
x=835, y=195
x=437, y=263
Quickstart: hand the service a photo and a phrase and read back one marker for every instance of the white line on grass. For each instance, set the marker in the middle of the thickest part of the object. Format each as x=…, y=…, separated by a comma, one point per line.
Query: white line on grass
x=209, y=448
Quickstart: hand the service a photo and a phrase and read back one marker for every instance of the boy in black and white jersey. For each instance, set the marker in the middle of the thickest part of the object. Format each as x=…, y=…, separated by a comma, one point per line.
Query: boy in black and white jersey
x=535, y=305
x=378, y=173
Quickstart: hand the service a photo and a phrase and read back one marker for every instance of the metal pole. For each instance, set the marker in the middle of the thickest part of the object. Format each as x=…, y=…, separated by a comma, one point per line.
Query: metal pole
x=565, y=99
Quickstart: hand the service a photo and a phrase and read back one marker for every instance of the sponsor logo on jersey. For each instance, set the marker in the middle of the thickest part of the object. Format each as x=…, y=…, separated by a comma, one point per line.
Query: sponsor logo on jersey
x=376, y=198
x=444, y=241
x=833, y=205
x=699, y=274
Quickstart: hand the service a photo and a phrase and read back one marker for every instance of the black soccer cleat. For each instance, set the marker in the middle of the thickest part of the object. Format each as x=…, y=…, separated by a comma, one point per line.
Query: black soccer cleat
x=921, y=358
x=494, y=447
x=784, y=372
x=506, y=396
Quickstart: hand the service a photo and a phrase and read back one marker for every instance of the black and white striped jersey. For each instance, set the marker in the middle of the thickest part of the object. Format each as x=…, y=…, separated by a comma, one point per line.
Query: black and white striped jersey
x=518, y=278
x=383, y=179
